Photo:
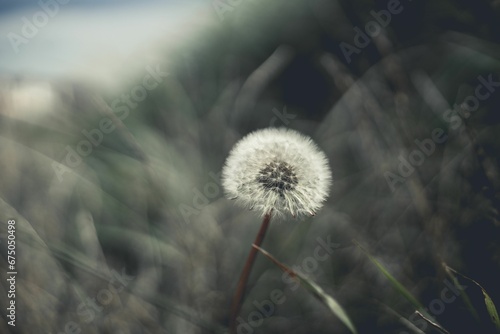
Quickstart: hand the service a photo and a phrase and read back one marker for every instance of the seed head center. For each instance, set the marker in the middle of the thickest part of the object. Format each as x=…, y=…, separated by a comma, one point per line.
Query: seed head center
x=278, y=176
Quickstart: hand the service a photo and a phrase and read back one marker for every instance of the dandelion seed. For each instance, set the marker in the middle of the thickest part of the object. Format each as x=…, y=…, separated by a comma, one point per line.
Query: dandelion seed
x=277, y=169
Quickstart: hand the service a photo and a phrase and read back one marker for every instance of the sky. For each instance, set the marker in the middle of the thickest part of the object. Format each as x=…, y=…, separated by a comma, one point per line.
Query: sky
x=92, y=40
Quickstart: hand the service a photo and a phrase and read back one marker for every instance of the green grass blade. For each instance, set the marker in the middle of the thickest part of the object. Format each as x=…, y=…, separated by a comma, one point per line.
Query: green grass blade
x=420, y=310
x=395, y=283
x=490, y=306
x=315, y=290
x=492, y=310
x=463, y=294
x=403, y=320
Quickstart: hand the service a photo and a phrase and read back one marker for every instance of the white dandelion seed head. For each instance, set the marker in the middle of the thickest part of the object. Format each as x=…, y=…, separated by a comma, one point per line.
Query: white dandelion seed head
x=278, y=169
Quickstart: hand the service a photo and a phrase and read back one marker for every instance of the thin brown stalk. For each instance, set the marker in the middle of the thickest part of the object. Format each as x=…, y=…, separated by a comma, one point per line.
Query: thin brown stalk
x=245, y=274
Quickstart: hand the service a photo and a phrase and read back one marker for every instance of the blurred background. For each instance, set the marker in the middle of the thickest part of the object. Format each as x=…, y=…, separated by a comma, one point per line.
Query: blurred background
x=116, y=118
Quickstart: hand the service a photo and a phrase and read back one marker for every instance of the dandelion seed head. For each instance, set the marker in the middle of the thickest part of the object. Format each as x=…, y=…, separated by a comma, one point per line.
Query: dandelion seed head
x=278, y=169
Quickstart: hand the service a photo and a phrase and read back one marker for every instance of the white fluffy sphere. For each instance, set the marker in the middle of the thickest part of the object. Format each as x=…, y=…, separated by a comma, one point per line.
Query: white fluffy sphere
x=277, y=169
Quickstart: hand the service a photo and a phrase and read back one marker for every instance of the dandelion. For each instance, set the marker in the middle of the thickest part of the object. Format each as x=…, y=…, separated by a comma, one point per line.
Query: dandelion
x=275, y=171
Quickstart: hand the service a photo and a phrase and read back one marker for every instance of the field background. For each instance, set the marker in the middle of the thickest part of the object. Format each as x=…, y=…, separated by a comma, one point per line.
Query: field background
x=140, y=225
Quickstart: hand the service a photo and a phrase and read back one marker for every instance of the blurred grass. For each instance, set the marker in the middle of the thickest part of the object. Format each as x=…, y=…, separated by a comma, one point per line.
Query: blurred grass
x=119, y=209
x=315, y=290
x=396, y=284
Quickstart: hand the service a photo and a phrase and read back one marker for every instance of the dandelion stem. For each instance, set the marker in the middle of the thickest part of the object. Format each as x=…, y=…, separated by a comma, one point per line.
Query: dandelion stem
x=245, y=274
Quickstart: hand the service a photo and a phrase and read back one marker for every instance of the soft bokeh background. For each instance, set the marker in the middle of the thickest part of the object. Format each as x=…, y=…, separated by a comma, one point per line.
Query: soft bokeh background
x=136, y=236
